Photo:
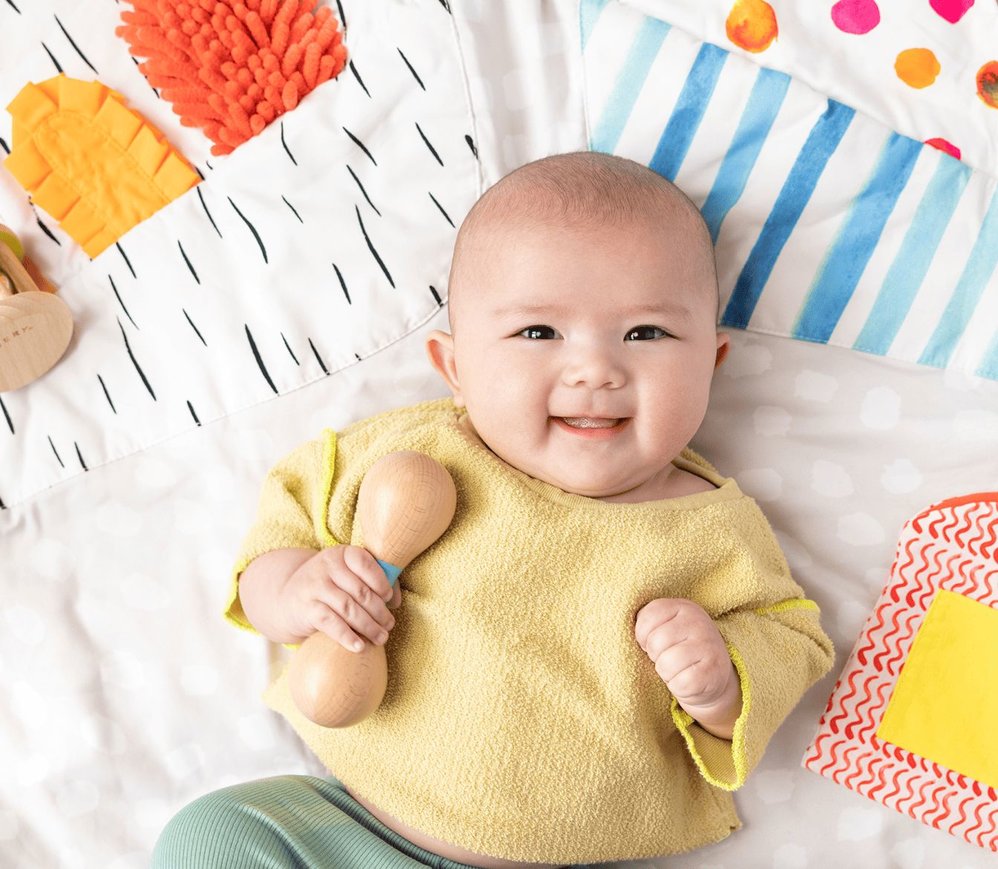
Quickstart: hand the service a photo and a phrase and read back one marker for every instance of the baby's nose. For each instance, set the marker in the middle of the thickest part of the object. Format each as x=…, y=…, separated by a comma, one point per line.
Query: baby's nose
x=595, y=369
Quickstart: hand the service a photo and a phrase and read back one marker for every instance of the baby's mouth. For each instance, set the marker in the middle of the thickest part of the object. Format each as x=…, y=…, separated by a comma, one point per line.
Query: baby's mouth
x=590, y=421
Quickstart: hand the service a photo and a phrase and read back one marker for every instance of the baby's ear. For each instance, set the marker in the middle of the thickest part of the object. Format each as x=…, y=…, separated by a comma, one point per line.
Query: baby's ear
x=440, y=349
x=723, y=346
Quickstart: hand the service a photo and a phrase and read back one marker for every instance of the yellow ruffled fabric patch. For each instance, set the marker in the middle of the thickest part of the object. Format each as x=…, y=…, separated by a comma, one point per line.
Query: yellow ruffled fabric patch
x=95, y=165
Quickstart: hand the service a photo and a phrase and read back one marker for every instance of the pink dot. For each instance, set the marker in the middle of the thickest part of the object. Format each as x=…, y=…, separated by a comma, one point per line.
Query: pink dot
x=944, y=146
x=856, y=16
x=951, y=10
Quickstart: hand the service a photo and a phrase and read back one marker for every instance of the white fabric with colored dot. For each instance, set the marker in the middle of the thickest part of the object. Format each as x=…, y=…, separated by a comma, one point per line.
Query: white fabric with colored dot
x=850, y=50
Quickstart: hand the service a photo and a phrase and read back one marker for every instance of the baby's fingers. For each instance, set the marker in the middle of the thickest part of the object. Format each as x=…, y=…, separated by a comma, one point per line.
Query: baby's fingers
x=334, y=627
x=354, y=572
x=347, y=622
x=664, y=637
x=366, y=568
x=396, y=600
x=652, y=615
x=677, y=660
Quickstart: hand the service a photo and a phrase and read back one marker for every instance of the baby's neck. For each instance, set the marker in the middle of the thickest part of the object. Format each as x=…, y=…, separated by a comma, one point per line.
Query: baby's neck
x=672, y=482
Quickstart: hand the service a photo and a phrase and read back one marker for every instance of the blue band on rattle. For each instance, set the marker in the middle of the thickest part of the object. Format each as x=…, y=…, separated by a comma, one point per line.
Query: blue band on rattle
x=391, y=571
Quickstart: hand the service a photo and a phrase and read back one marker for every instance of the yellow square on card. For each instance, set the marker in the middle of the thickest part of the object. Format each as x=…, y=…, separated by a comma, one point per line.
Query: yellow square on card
x=945, y=704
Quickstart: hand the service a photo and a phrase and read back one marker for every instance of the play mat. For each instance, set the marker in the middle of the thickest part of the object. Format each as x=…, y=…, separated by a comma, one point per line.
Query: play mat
x=253, y=244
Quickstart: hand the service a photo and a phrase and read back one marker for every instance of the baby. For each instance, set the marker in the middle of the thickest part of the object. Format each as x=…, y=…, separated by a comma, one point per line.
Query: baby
x=599, y=648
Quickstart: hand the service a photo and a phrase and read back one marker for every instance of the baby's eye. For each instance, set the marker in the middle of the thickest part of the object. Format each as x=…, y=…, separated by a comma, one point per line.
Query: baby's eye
x=645, y=333
x=538, y=332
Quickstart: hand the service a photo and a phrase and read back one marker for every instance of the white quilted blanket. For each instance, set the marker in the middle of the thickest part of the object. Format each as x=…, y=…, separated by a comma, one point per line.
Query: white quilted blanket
x=291, y=290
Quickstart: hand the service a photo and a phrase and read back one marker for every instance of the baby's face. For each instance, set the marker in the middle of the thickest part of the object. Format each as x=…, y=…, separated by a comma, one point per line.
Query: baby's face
x=584, y=356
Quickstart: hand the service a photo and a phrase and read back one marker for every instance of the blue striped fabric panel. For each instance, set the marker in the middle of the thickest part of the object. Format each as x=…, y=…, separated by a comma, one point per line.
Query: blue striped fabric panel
x=829, y=226
x=795, y=194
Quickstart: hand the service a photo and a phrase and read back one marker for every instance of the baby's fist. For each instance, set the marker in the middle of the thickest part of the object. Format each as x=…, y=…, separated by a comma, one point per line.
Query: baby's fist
x=691, y=657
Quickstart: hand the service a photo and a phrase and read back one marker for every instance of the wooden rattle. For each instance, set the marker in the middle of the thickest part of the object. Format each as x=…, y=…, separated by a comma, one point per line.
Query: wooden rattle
x=406, y=502
x=35, y=327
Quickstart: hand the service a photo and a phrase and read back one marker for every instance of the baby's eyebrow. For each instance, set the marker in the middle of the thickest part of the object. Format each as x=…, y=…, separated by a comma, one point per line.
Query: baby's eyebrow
x=658, y=310
x=528, y=310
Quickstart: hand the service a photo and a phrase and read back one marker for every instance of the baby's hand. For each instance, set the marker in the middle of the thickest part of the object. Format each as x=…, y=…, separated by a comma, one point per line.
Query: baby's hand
x=690, y=656
x=343, y=592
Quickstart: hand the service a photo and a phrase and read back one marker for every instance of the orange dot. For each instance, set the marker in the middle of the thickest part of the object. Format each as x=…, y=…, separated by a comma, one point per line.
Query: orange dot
x=987, y=83
x=752, y=25
x=917, y=67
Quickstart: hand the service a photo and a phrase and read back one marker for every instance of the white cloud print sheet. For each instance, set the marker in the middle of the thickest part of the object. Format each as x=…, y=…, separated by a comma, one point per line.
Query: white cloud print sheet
x=292, y=289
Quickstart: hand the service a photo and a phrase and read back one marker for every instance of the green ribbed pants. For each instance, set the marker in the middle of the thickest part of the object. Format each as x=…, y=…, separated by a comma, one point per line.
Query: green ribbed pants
x=287, y=821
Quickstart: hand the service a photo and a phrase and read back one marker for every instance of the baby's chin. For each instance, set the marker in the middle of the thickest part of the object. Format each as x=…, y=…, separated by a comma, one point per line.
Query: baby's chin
x=587, y=488
x=567, y=483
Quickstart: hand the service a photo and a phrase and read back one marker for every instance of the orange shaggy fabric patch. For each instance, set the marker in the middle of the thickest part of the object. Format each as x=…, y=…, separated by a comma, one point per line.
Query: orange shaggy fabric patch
x=231, y=67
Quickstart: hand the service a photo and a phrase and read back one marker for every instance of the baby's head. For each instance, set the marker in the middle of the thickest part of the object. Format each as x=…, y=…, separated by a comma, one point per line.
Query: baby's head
x=583, y=312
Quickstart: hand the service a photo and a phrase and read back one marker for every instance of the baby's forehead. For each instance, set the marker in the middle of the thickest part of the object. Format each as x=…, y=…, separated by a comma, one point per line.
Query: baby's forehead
x=682, y=244
x=514, y=270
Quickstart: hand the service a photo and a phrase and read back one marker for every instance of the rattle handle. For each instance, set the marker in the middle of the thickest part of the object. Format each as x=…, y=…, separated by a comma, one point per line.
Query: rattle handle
x=406, y=501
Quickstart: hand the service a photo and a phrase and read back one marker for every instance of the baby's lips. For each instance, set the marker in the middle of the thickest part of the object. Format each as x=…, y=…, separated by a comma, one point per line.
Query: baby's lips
x=592, y=421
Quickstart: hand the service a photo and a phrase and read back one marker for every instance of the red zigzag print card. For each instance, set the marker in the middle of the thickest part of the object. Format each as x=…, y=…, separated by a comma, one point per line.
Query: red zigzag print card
x=912, y=718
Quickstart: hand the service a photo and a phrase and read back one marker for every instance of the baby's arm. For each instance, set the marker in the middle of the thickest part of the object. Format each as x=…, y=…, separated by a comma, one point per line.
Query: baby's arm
x=691, y=657
x=289, y=594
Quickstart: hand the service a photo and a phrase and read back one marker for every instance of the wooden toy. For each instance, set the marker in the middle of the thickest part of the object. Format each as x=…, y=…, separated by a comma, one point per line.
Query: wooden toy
x=35, y=326
x=406, y=502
